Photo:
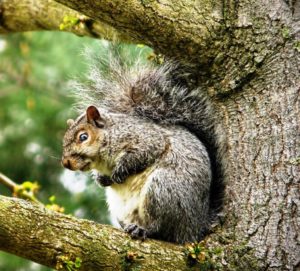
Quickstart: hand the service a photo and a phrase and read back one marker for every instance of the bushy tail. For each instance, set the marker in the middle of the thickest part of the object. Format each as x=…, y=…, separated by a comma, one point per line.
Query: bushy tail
x=148, y=91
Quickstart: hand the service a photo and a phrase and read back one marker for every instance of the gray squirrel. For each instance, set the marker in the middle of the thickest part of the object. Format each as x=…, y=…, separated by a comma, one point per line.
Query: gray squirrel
x=154, y=145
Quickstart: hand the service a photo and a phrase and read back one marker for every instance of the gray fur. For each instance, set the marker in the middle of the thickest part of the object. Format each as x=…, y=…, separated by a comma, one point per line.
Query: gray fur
x=152, y=124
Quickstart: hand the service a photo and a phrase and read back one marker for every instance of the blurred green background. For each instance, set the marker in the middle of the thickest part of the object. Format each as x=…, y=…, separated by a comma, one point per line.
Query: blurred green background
x=34, y=105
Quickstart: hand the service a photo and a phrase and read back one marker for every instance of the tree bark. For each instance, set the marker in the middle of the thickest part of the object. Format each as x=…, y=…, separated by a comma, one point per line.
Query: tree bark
x=181, y=29
x=247, y=59
x=262, y=127
x=38, y=15
x=31, y=231
x=263, y=187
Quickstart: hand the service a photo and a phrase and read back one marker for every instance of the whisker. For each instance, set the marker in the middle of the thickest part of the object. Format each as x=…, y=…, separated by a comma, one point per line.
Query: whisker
x=54, y=157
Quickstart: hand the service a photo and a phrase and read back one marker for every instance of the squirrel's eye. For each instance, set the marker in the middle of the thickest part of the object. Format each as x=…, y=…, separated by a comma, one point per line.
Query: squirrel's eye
x=83, y=137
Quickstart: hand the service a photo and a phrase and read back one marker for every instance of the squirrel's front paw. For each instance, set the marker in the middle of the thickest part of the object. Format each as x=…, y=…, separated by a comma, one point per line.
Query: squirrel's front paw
x=119, y=176
x=103, y=180
x=136, y=231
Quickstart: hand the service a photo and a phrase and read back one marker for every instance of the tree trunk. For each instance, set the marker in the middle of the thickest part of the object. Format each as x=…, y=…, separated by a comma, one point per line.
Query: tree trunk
x=262, y=124
x=263, y=184
x=247, y=56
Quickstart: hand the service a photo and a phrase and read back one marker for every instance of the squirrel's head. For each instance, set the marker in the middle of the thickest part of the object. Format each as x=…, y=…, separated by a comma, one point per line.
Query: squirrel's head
x=83, y=139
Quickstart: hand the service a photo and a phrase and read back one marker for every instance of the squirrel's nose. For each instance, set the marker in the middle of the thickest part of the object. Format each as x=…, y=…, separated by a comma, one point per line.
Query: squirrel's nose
x=66, y=163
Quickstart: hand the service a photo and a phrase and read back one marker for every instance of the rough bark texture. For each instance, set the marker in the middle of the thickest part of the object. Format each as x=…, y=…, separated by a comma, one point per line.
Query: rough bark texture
x=46, y=237
x=262, y=123
x=263, y=187
x=247, y=58
x=181, y=29
x=37, y=15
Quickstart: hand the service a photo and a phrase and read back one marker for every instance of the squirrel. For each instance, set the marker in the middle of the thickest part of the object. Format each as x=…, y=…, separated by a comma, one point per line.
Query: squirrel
x=152, y=143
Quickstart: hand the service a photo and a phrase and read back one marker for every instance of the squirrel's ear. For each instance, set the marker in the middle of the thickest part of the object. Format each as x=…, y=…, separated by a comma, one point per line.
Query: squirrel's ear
x=93, y=116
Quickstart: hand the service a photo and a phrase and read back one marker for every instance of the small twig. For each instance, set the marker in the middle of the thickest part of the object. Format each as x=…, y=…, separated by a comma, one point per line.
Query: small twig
x=8, y=182
x=27, y=190
x=17, y=190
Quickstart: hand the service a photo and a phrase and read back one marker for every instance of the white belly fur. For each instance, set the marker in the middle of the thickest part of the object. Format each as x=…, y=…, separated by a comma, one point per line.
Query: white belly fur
x=123, y=199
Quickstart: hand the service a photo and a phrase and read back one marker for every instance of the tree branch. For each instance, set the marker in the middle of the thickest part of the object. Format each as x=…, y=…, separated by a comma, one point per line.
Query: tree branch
x=34, y=15
x=33, y=232
x=191, y=28
x=26, y=190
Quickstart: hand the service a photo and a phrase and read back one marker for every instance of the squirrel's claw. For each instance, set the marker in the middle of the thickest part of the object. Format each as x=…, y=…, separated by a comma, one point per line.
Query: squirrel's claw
x=136, y=231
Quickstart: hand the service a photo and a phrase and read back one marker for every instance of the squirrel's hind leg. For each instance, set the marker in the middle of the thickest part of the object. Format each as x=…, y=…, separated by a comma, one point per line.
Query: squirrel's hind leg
x=176, y=205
